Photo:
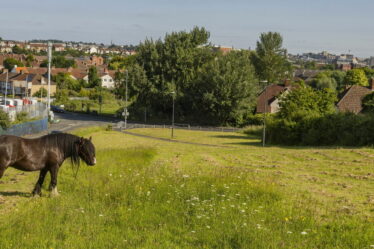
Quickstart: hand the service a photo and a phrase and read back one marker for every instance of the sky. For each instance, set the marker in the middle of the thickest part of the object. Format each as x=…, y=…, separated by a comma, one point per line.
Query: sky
x=343, y=26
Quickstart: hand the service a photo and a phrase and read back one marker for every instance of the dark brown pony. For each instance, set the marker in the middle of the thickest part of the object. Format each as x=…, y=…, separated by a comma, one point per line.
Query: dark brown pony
x=44, y=154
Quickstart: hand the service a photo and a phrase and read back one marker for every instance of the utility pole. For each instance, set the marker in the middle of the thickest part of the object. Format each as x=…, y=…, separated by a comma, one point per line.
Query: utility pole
x=172, y=117
x=265, y=105
x=6, y=87
x=49, y=76
x=127, y=77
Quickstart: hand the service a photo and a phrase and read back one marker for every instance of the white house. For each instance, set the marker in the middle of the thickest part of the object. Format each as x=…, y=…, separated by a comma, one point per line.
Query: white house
x=106, y=80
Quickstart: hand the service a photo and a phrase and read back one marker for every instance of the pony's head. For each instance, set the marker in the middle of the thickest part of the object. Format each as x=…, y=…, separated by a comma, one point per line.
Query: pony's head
x=86, y=151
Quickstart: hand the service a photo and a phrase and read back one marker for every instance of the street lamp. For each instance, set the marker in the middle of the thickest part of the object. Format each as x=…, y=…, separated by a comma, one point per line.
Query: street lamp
x=126, y=113
x=264, y=121
x=172, y=118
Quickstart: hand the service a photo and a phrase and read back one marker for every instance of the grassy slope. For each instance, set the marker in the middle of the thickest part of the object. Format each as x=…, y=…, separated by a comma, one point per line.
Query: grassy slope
x=153, y=194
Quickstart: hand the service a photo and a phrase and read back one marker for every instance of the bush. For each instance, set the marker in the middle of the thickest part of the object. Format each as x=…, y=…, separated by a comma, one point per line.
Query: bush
x=344, y=129
x=4, y=120
x=21, y=117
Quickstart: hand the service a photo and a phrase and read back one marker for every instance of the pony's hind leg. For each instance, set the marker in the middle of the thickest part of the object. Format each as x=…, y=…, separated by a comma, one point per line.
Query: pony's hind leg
x=38, y=186
x=53, y=185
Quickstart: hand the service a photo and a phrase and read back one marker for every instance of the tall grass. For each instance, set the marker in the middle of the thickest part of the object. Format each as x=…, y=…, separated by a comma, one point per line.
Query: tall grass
x=134, y=198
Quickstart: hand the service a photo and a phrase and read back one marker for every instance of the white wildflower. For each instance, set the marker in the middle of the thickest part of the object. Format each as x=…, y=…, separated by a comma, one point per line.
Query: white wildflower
x=304, y=233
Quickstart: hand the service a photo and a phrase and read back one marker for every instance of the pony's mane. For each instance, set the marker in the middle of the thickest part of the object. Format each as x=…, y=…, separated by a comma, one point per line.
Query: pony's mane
x=66, y=143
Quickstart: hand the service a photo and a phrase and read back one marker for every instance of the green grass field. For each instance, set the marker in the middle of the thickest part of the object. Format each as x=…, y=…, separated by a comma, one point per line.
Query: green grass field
x=147, y=193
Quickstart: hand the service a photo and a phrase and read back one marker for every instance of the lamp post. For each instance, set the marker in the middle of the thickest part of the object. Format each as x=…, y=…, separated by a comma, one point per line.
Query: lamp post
x=127, y=77
x=172, y=117
x=49, y=76
x=264, y=121
x=6, y=87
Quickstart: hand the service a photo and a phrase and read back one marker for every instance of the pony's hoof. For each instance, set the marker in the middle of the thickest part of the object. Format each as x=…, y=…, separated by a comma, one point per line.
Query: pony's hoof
x=54, y=192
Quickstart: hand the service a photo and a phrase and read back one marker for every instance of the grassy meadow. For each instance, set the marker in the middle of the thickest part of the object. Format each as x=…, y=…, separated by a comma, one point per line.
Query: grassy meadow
x=147, y=193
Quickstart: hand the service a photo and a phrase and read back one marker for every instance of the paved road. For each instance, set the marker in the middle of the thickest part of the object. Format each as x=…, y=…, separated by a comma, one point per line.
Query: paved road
x=69, y=121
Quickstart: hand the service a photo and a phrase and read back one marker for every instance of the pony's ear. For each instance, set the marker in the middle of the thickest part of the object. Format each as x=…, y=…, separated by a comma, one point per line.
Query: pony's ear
x=81, y=140
x=91, y=138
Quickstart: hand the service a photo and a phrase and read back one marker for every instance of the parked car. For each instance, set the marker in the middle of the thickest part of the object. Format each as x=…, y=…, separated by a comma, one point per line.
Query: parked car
x=57, y=109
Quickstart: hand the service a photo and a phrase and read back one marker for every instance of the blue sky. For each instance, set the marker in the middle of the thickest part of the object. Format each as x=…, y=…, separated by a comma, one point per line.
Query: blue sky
x=307, y=26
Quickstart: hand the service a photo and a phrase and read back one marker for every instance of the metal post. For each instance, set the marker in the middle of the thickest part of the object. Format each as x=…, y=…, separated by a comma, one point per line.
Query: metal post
x=172, y=118
x=6, y=87
x=127, y=77
x=49, y=76
x=264, y=124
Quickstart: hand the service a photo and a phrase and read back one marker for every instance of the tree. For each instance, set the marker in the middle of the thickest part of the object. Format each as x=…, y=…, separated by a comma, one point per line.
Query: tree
x=17, y=50
x=29, y=59
x=225, y=89
x=93, y=77
x=42, y=92
x=306, y=102
x=172, y=65
x=9, y=63
x=356, y=77
x=325, y=80
x=59, y=62
x=65, y=81
x=270, y=59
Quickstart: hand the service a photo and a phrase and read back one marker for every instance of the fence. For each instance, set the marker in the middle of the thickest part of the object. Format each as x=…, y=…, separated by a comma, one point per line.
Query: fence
x=121, y=125
x=26, y=128
x=33, y=111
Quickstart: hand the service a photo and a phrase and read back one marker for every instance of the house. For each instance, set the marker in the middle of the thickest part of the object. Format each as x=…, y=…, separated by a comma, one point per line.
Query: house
x=24, y=84
x=107, y=79
x=351, y=99
x=268, y=100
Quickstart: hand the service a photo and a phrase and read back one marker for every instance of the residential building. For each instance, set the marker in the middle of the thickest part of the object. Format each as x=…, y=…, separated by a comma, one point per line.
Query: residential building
x=268, y=100
x=351, y=99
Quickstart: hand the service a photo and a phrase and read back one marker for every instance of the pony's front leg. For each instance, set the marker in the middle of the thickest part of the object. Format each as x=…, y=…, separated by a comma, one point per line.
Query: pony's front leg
x=38, y=186
x=53, y=185
x=2, y=170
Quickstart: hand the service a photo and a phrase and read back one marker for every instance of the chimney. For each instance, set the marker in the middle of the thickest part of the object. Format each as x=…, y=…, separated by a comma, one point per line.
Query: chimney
x=371, y=85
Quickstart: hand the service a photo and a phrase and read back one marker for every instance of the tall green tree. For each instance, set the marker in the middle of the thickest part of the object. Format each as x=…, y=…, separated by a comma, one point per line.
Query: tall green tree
x=356, y=76
x=225, y=90
x=93, y=77
x=270, y=59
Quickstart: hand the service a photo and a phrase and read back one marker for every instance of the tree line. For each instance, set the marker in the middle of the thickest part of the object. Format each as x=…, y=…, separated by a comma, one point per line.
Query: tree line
x=209, y=87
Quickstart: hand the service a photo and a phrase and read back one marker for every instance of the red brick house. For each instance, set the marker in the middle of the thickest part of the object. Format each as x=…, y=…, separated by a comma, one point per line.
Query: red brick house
x=351, y=100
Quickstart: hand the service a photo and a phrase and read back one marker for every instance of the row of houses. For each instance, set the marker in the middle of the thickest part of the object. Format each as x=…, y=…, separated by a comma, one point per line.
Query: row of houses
x=25, y=82
x=349, y=101
x=83, y=62
x=7, y=47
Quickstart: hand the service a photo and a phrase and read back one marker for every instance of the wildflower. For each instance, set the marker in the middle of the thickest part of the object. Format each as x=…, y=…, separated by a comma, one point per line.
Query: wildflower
x=286, y=219
x=232, y=206
x=148, y=193
x=242, y=210
x=304, y=233
x=245, y=224
x=101, y=215
x=193, y=231
x=110, y=174
x=199, y=217
x=186, y=176
x=208, y=227
x=372, y=246
x=289, y=232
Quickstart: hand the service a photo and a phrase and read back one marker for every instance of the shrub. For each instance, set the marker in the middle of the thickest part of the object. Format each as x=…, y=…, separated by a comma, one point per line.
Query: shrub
x=345, y=129
x=21, y=117
x=4, y=120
